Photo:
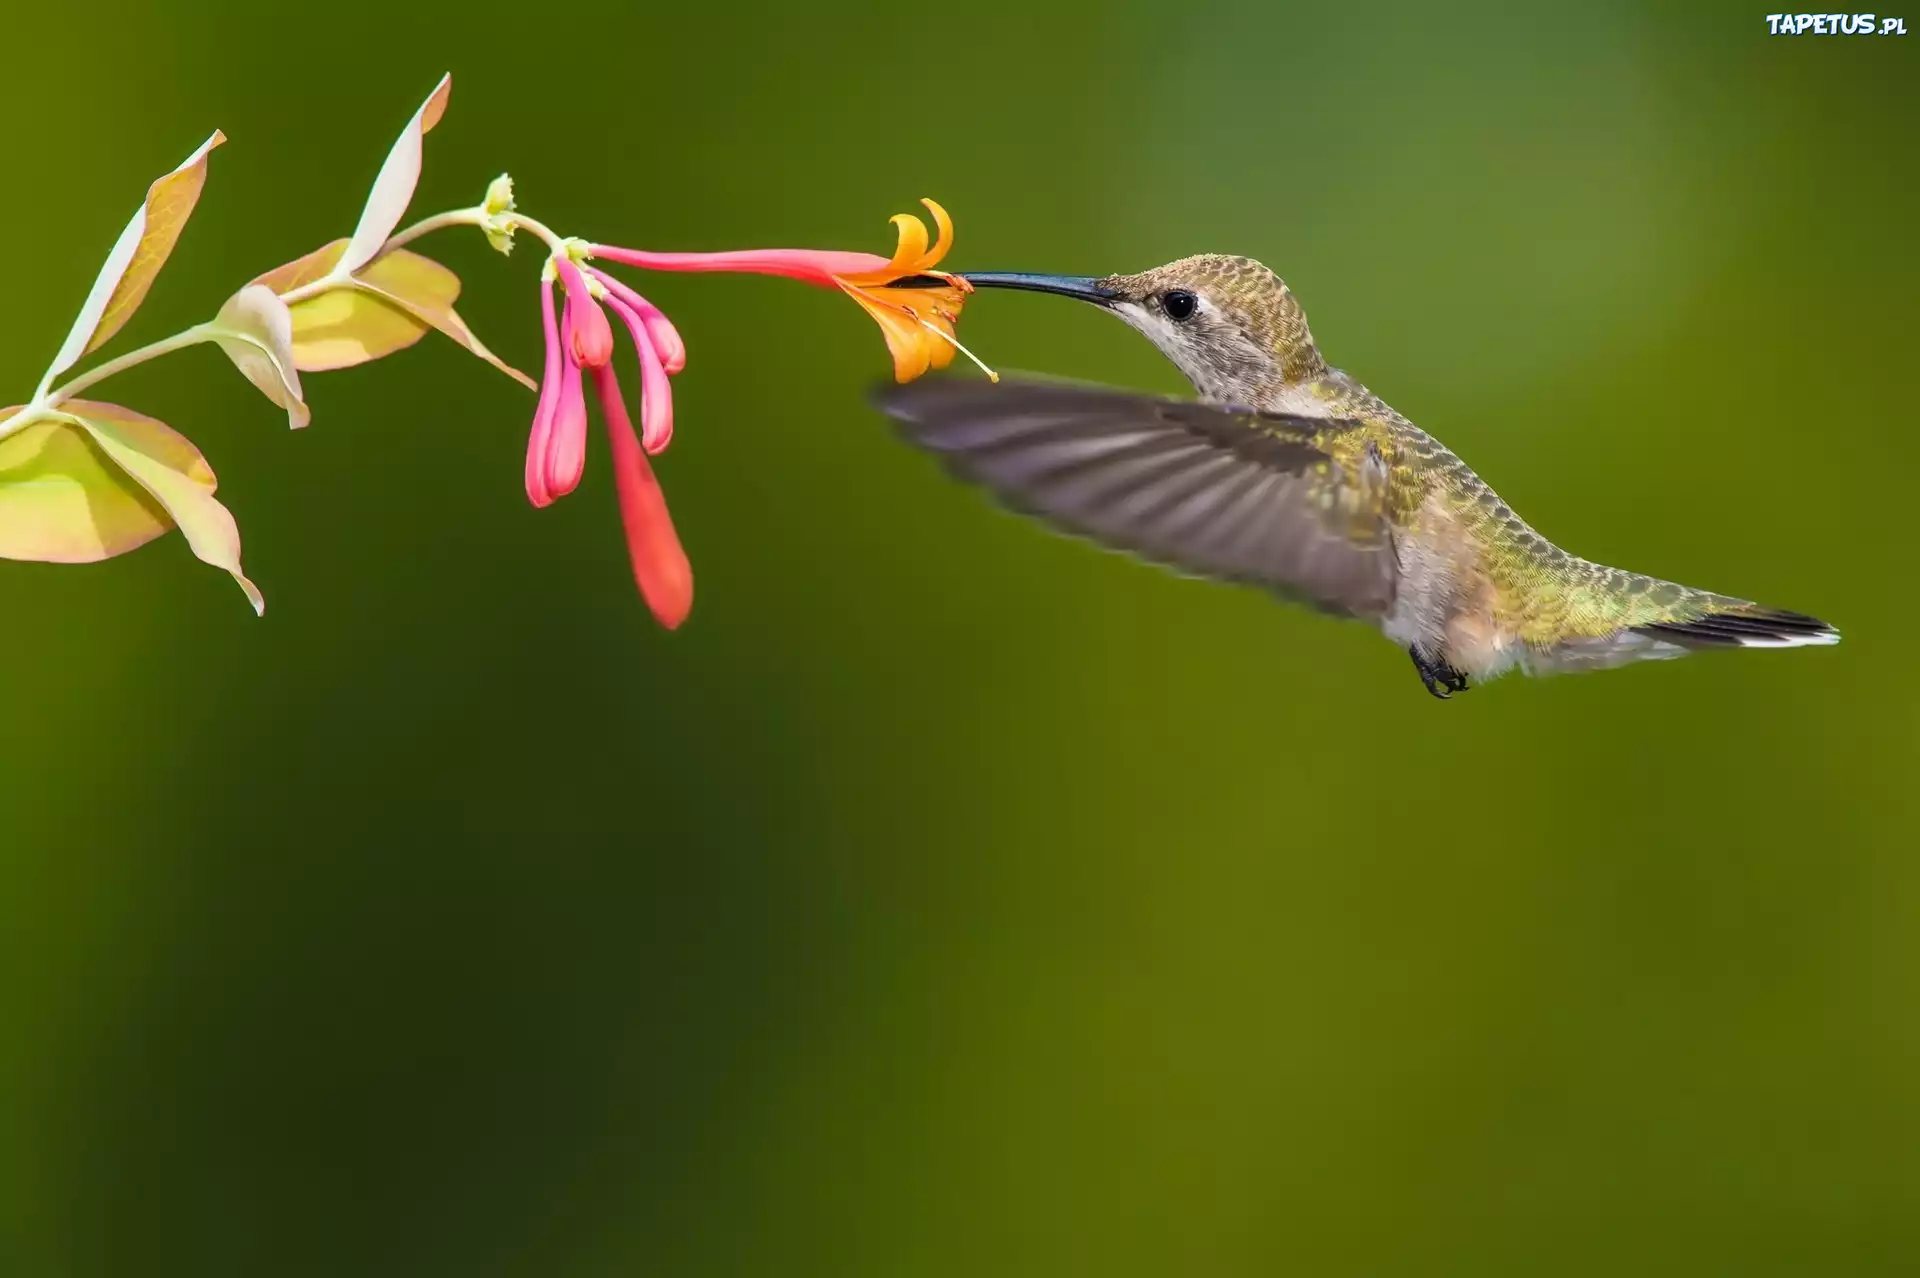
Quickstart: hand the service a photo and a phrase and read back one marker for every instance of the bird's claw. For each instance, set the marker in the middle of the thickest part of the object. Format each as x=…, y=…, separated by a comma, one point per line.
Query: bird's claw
x=1441, y=679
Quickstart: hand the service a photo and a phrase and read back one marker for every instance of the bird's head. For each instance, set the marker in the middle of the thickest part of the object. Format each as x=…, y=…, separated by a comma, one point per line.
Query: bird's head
x=1230, y=324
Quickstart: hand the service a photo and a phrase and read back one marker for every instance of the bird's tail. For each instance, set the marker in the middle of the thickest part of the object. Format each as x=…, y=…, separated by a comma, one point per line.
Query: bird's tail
x=1614, y=617
x=1736, y=623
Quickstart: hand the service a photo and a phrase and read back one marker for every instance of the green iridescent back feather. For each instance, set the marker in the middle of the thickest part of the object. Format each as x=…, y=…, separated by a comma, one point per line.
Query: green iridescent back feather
x=1545, y=595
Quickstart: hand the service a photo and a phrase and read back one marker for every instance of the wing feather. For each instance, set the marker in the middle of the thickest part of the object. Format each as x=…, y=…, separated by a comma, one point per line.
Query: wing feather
x=1234, y=494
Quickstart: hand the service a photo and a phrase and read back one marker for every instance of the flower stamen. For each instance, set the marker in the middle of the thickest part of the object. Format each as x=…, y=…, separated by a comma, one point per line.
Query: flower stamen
x=955, y=342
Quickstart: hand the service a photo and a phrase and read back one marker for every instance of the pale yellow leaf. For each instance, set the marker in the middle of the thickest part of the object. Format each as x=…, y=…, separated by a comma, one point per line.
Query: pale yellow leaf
x=344, y=326
x=63, y=501
x=402, y=294
x=393, y=188
x=174, y=474
x=411, y=295
x=255, y=329
x=137, y=256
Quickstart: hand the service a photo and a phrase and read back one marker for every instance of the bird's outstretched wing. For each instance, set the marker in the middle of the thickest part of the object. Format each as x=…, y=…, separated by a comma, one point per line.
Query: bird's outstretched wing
x=1294, y=504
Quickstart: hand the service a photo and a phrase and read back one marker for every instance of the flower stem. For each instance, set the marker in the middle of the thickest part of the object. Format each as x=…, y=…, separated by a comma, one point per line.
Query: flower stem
x=428, y=225
x=120, y=364
x=469, y=217
x=314, y=288
x=548, y=234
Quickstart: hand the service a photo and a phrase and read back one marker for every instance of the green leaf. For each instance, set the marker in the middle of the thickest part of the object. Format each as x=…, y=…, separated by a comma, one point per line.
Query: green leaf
x=393, y=188
x=137, y=256
x=63, y=501
x=255, y=329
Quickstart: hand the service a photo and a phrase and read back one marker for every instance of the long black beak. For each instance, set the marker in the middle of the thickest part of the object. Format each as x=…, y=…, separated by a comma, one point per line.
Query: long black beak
x=1085, y=287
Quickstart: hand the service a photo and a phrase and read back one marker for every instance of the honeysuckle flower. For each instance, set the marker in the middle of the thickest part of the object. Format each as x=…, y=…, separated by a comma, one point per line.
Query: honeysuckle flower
x=567, y=446
x=918, y=322
x=661, y=352
x=660, y=566
x=589, y=337
x=579, y=340
x=915, y=304
x=539, y=491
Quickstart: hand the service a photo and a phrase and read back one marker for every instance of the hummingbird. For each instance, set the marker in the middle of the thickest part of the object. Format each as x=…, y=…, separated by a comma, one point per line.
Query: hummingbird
x=1288, y=474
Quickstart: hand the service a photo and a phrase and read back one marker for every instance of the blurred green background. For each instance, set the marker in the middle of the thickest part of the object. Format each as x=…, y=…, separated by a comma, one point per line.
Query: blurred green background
x=945, y=898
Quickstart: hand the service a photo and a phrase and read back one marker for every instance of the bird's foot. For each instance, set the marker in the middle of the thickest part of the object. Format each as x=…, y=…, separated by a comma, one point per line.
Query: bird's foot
x=1442, y=680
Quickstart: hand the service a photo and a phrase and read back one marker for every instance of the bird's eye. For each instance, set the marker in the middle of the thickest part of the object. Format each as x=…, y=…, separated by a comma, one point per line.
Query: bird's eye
x=1178, y=303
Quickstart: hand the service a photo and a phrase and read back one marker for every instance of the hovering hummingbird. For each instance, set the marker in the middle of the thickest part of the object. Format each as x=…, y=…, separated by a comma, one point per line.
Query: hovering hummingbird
x=1290, y=475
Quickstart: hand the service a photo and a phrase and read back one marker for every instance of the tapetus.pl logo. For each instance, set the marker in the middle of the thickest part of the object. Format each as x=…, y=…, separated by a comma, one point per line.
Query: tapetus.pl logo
x=1834, y=24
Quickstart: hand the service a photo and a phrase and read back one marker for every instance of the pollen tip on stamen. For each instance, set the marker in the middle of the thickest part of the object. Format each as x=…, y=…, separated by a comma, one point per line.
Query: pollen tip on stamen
x=957, y=345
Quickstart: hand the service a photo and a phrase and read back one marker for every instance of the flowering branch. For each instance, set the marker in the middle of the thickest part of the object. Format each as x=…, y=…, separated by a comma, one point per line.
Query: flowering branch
x=82, y=480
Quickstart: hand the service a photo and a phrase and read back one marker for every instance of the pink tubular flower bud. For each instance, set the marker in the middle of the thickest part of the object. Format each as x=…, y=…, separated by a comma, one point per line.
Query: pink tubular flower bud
x=589, y=336
x=539, y=438
x=666, y=338
x=656, y=402
x=656, y=392
x=660, y=566
x=567, y=441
